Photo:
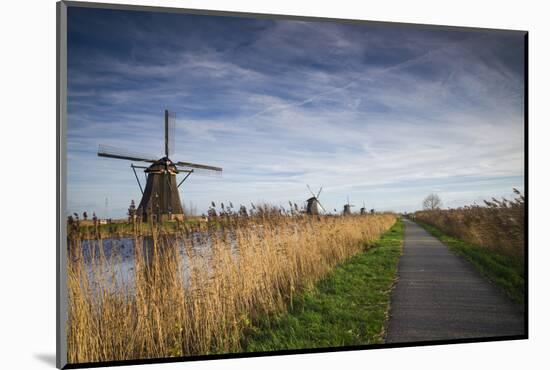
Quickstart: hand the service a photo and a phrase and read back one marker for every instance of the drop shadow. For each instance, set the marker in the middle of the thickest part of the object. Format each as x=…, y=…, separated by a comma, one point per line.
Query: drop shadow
x=47, y=358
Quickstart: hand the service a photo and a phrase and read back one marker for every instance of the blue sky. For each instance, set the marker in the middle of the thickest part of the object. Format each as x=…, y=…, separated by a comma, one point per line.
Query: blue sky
x=383, y=114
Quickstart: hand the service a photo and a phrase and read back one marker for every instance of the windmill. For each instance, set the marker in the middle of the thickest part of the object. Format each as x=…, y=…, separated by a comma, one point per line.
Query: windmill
x=160, y=198
x=347, y=208
x=363, y=209
x=313, y=202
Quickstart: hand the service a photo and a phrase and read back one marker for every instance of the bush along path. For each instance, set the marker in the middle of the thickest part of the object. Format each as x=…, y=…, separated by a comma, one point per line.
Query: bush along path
x=348, y=307
x=441, y=296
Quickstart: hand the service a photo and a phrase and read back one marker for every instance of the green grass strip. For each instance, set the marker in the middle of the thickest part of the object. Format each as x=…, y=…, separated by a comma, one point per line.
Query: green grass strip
x=502, y=270
x=348, y=307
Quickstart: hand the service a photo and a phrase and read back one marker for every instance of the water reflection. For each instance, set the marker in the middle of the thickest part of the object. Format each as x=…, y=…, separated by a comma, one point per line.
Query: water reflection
x=114, y=260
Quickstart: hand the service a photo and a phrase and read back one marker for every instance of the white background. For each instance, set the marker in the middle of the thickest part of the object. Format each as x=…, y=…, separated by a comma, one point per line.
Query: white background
x=27, y=259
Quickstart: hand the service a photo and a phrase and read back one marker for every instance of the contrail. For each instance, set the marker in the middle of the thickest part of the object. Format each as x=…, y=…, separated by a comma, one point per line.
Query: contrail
x=361, y=77
x=308, y=100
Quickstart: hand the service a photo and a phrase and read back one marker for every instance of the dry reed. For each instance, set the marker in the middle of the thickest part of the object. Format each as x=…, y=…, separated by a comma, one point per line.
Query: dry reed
x=498, y=225
x=233, y=270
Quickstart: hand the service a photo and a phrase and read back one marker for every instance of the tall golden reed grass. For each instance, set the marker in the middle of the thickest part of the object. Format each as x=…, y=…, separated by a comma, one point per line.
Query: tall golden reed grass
x=201, y=303
x=499, y=225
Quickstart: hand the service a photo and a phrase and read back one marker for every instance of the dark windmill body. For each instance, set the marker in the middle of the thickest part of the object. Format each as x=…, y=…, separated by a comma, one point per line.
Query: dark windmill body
x=363, y=209
x=160, y=198
x=347, y=209
x=161, y=195
x=313, y=204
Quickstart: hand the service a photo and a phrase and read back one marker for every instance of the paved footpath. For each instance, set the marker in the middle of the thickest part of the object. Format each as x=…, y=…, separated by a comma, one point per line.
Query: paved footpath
x=441, y=296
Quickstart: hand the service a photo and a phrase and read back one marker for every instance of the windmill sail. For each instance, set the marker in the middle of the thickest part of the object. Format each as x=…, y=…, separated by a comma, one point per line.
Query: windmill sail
x=113, y=152
x=320, y=205
x=196, y=166
x=169, y=133
x=312, y=193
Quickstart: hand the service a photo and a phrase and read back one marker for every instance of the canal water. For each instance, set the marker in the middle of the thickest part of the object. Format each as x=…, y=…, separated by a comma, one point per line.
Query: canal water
x=113, y=260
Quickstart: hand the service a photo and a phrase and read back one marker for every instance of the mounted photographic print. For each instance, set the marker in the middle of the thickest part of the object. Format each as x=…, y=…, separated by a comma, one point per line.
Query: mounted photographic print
x=235, y=184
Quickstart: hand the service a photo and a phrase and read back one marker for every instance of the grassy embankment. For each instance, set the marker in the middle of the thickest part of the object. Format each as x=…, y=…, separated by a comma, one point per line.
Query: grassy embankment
x=505, y=271
x=348, y=307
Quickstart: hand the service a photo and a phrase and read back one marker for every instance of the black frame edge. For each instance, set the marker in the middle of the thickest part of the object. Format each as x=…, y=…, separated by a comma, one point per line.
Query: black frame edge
x=526, y=178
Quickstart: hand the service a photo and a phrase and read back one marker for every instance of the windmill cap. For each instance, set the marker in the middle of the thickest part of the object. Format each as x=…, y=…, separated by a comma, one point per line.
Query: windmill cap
x=161, y=165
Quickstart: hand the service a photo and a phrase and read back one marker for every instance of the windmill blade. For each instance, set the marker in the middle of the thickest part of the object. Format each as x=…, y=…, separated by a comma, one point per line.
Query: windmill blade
x=196, y=166
x=312, y=193
x=199, y=171
x=169, y=133
x=319, y=193
x=113, y=152
x=320, y=205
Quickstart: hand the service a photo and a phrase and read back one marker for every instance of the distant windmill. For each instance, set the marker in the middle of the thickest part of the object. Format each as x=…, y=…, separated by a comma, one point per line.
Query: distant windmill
x=313, y=202
x=347, y=208
x=363, y=209
x=160, y=197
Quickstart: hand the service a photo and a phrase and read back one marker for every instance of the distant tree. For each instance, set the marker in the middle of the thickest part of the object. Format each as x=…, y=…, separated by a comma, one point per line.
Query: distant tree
x=432, y=202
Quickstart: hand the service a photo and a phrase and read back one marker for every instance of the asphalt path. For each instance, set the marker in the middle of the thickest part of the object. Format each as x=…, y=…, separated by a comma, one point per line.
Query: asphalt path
x=440, y=296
